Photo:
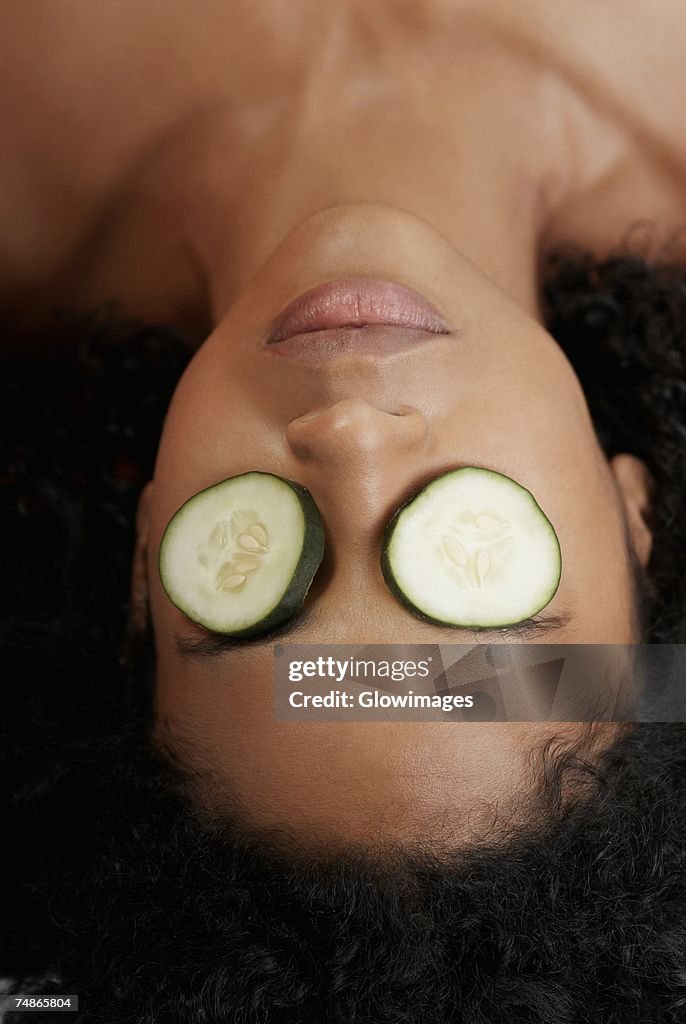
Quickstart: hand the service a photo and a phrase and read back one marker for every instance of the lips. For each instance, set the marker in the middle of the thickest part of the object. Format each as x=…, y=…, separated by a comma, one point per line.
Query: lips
x=377, y=340
x=363, y=303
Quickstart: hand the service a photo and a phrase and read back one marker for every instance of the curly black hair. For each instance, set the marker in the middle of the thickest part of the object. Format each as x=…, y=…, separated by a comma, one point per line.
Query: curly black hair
x=117, y=889
x=622, y=325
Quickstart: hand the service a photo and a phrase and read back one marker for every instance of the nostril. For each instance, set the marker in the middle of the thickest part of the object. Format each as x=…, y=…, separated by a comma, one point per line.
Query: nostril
x=350, y=427
x=403, y=410
x=307, y=417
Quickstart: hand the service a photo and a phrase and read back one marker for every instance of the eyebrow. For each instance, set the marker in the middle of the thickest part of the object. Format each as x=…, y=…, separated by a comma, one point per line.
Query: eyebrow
x=211, y=645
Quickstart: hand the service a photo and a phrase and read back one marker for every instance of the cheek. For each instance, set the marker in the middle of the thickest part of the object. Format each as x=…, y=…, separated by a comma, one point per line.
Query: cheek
x=212, y=432
x=523, y=401
x=606, y=583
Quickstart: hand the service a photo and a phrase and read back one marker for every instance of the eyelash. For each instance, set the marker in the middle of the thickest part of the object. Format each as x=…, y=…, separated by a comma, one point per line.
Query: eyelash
x=212, y=645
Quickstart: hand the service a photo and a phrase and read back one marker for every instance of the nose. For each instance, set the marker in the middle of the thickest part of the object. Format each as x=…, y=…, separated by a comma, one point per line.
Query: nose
x=358, y=460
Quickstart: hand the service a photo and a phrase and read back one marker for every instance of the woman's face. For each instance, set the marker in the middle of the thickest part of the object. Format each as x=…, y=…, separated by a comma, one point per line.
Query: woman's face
x=362, y=432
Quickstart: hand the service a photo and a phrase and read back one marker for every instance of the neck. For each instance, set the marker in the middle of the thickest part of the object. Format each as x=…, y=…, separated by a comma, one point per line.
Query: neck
x=386, y=127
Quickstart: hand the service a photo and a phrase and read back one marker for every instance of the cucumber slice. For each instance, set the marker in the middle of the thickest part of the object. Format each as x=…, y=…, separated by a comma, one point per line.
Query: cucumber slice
x=239, y=557
x=472, y=549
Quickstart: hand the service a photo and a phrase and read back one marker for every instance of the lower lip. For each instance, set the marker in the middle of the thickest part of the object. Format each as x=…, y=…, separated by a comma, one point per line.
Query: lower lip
x=377, y=340
x=356, y=303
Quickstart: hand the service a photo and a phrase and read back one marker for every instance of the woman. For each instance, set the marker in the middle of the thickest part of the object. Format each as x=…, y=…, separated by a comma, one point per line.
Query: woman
x=212, y=172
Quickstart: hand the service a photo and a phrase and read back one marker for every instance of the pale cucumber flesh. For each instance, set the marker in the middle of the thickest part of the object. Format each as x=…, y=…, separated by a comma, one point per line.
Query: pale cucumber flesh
x=239, y=557
x=472, y=549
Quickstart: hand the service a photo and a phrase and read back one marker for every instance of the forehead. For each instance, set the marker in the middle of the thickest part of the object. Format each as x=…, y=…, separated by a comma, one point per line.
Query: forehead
x=354, y=779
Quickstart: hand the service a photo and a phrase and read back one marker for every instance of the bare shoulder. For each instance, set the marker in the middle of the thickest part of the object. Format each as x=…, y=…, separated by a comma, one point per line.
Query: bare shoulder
x=606, y=81
x=624, y=63
x=629, y=53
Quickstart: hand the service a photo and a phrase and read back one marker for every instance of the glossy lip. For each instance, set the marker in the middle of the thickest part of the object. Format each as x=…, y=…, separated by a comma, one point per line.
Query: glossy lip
x=356, y=303
x=373, y=340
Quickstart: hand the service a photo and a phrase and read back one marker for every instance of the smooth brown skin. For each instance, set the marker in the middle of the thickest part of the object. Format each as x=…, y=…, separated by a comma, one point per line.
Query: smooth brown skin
x=206, y=170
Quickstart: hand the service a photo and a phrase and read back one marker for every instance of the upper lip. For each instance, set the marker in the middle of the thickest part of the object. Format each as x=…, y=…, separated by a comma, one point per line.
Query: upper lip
x=356, y=302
